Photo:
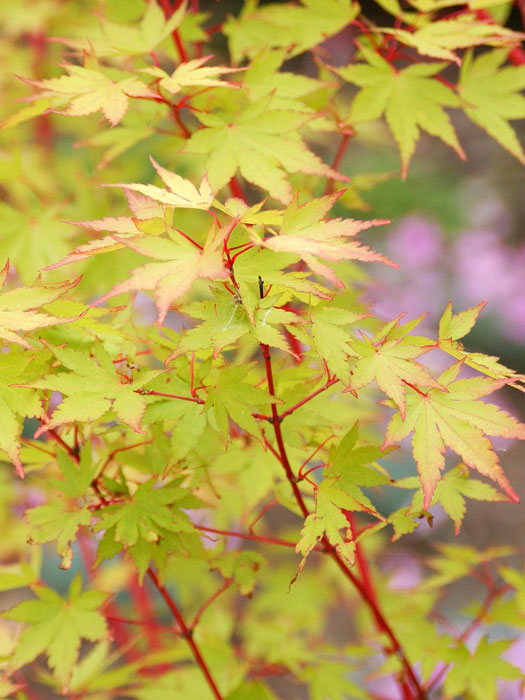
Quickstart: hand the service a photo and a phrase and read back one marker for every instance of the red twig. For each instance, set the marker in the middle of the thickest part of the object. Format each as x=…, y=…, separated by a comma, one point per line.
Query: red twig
x=227, y=583
x=311, y=396
x=186, y=632
x=71, y=452
x=168, y=11
x=345, y=138
x=236, y=189
x=246, y=536
x=151, y=392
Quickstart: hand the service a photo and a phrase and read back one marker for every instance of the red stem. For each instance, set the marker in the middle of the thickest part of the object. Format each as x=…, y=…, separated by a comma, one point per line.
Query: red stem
x=186, y=633
x=227, y=583
x=246, y=536
x=278, y=433
x=71, y=452
x=311, y=396
x=236, y=189
x=517, y=55
x=343, y=143
x=151, y=392
x=168, y=11
x=365, y=594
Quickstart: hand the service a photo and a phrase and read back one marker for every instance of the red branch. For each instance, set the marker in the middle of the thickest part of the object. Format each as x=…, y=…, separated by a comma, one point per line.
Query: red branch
x=186, y=633
x=246, y=536
x=168, y=11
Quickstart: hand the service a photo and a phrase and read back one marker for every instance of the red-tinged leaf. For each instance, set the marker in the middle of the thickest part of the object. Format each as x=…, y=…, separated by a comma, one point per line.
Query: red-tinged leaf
x=307, y=235
x=18, y=308
x=180, y=192
x=182, y=263
x=390, y=361
x=459, y=421
x=455, y=326
x=191, y=74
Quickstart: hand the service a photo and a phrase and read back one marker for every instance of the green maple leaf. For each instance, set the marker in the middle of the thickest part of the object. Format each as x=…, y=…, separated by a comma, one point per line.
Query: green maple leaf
x=330, y=680
x=16, y=403
x=86, y=90
x=18, y=308
x=491, y=97
x=262, y=143
x=327, y=521
x=457, y=420
x=305, y=233
x=191, y=74
x=451, y=492
x=242, y=567
x=477, y=673
x=181, y=263
x=54, y=522
x=390, y=361
x=76, y=477
x=331, y=337
x=440, y=38
x=516, y=579
x=224, y=322
x=452, y=327
x=263, y=77
x=93, y=387
x=300, y=26
x=145, y=513
x=152, y=30
x=270, y=267
x=32, y=237
x=410, y=99
x=356, y=465
x=56, y=627
x=233, y=397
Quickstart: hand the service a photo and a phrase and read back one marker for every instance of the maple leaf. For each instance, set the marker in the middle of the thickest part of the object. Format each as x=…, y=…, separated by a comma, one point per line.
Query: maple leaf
x=191, y=74
x=299, y=26
x=242, y=567
x=410, y=99
x=262, y=143
x=18, y=308
x=327, y=521
x=452, y=327
x=477, y=673
x=390, y=361
x=16, y=403
x=491, y=96
x=89, y=91
x=182, y=264
x=263, y=77
x=32, y=237
x=55, y=521
x=57, y=626
x=455, y=486
x=145, y=512
x=149, y=216
x=233, y=397
x=304, y=233
x=180, y=192
x=92, y=388
x=331, y=338
x=457, y=420
x=440, y=38
x=153, y=28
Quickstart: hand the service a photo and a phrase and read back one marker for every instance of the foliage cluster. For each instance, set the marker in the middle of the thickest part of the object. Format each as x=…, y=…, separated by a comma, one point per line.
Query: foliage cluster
x=223, y=474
